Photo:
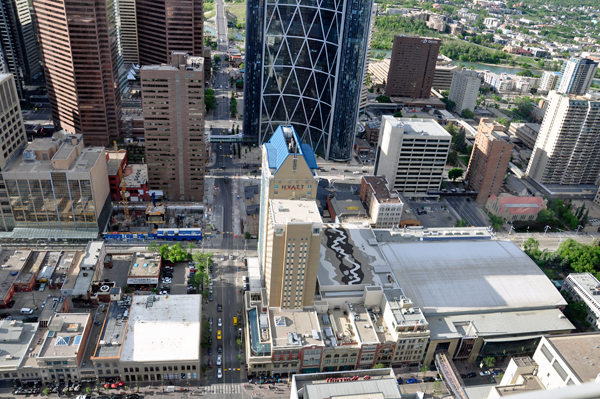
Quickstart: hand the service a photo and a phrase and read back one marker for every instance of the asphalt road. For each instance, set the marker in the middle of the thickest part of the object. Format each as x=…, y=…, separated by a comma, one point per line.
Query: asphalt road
x=467, y=210
x=222, y=39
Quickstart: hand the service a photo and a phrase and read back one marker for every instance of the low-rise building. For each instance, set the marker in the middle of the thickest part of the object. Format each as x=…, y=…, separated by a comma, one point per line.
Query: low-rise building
x=345, y=207
x=16, y=338
x=13, y=263
x=372, y=131
x=526, y=132
x=383, y=204
x=144, y=271
x=61, y=352
x=512, y=208
x=585, y=287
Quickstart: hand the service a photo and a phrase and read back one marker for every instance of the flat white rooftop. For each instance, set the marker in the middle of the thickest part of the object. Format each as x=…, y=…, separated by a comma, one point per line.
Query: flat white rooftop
x=457, y=277
x=167, y=330
x=295, y=211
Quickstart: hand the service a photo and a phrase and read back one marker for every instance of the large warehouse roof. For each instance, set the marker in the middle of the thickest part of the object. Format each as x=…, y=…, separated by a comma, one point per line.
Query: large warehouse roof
x=460, y=277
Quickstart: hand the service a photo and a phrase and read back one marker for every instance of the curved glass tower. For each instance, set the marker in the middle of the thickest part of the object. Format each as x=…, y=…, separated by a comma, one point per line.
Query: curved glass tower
x=304, y=67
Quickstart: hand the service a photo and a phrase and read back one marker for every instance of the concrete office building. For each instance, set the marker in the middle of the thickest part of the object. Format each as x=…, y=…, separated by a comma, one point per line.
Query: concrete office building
x=411, y=154
x=304, y=67
x=288, y=172
x=14, y=139
x=293, y=244
x=19, y=47
x=384, y=205
x=568, y=359
x=365, y=88
x=549, y=80
x=173, y=108
x=58, y=183
x=129, y=31
x=585, y=287
x=16, y=338
x=567, y=149
x=576, y=76
x=165, y=26
x=464, y=89
x=489, y=160
x=81, y=67
x=412, y=67
x=444, y=73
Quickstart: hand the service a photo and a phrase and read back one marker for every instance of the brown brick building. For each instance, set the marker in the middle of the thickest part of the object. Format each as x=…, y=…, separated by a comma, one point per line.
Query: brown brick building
x=78, y=40
x=489, y=160
x=165, y=26
x=412, y=67
x=173, y=108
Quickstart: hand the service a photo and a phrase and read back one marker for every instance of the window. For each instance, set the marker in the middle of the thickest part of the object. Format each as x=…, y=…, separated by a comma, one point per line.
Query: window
x=137, y=369
x=125, y=369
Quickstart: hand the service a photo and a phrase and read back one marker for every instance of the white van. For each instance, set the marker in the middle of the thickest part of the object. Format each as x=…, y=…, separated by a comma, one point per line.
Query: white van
x=26, y=311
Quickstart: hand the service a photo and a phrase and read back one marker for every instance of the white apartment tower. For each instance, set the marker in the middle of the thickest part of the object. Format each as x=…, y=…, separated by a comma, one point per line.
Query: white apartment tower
x=129, y=39
x=464, y=89
x=549, y=80
x=576, y=76
x=411, y=154
x=567, y=148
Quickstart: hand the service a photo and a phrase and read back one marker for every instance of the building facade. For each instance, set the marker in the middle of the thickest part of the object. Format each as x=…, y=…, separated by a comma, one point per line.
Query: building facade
x=526, y=132
x=464, y=89
x=58, y=183
x=164, y=26
x=288, y=172
x=489, y=160
x=566, y=151
x=384, y=205
x=576, y=76
x=512, y=208
x=129, y=31
x=444, y=73
x=81, y=66
x=293, y=245
x=304, y=68
x=365, y=88
x=411, y=154
x=173, y=108
x=19, y=46
x=549, y=80
x=412, y=67
x=584, y=287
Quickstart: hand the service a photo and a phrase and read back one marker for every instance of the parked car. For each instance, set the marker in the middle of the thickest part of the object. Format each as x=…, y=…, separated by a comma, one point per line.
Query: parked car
x=219, y=373
x=412, y=381
x=210, y=297
x=219, y=308
x=471, y=375
x=219, y=348
x=210, y=362
x=428, y=379
x=220, y=322
x=219, y=360
x=484, y=373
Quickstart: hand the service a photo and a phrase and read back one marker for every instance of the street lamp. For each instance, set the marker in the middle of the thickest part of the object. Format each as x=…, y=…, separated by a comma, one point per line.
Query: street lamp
x=546, y=229
x=578, y=227
x=511, y=229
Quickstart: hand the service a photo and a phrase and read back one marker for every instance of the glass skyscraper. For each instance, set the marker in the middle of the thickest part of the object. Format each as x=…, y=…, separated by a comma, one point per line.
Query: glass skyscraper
x=304, y=67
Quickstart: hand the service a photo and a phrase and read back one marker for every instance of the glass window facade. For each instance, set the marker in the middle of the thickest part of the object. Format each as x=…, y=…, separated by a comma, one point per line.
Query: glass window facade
x=304, y=67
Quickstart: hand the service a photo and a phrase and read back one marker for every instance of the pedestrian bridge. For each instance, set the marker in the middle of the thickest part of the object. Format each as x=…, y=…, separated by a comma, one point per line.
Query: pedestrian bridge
x=451, y=377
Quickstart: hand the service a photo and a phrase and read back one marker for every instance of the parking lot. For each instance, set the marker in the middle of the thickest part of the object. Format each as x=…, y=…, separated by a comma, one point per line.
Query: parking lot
x=435, y=216
x=468, y=210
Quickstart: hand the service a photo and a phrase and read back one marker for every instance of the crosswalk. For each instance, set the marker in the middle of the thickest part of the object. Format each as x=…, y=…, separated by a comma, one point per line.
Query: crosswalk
x=224, y=388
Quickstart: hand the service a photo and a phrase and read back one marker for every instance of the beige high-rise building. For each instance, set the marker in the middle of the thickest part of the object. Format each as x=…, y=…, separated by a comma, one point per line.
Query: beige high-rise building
x=129, y=36
x=567, y=148
x=288, y=172
x=81, y=61
x=293, y=245
x=173, y=108
x=464, y=89
x=164, y=26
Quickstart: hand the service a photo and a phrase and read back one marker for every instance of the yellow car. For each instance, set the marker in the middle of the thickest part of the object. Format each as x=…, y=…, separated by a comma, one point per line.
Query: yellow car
x=218, y=334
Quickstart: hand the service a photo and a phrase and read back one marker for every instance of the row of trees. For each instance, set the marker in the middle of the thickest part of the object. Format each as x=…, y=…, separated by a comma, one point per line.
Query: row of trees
x=463, y=51
x=563, y=213
x=388, y=26
x=571, y=256
x=233, y=105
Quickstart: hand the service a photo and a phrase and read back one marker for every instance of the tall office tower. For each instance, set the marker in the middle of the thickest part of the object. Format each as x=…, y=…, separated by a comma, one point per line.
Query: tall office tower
x=567, y=149
x=129, y=34
x=365, y=89
x=576, y=76
x=411, y=154
x=293, y=247
x=173, y=108
x=14, y=139
x=464, y=89
x=412, y=67
x=288, y=172
x=304, y=68
x=489, y=160
x=81, y=65
x=18, y=42
x=165, y=26
x=549, y=80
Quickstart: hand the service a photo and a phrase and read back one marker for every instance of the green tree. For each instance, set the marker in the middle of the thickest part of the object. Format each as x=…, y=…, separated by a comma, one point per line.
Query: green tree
x=177, y=253
x=241, y=66
x=455, y=173
x=237, y=129
x=209, y=99
x=460, y=144
x=88, y=390
x=383, y=99
x=467, y=114
x=378, y=366
x=217, y=58
x=247, y=235
x=398, y=114
x=424, y=369
x=503, y=121
x=240, y=342
x=462, y=223
x=164, y=251
x=452, y=158
x=489, y=361
x=546, y=216
x=153, y=247
x=240, y=357
x=451, y=128
x=497, y=221
x=233, y=106
x=46, y=391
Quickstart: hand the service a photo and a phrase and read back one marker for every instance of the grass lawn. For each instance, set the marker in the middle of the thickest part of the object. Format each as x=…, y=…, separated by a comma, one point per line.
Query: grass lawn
x=209, y=10
x=465, y=159
x=239, y=10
